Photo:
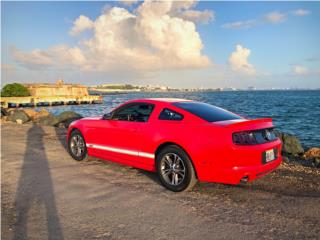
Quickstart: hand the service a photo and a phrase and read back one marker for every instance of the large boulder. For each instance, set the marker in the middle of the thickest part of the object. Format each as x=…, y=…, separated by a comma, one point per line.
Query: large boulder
x=68, y=117
x=49, y=120
x=30, y=112
x=34, y=115
x=18, y=116
x=316, y=162
x=4, y=112
x=42, y=113
x=290, y=144
x=10, y=110
x=312, y=153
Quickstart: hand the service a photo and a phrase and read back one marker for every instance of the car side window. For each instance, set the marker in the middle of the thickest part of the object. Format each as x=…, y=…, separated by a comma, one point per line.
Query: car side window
x=136, y=112
x=168, y=114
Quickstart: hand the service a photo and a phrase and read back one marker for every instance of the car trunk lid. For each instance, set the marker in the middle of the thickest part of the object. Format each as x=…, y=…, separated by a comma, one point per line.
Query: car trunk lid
x=246, y=124
x=250, y=132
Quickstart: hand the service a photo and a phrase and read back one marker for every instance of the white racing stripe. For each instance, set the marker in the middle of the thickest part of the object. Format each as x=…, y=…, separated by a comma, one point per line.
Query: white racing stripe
x=120, y=150
x=147, y=155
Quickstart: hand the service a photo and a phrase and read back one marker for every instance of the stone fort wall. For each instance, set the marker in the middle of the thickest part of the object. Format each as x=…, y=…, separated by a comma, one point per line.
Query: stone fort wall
x=58, y=89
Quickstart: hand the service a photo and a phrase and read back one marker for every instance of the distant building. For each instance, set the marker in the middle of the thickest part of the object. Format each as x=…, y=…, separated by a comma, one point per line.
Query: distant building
x=229, y=89
x=251, y=88
x=57, y=89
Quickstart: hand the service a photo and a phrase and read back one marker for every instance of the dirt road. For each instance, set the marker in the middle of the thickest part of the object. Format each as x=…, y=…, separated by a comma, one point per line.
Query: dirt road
x=47, y=195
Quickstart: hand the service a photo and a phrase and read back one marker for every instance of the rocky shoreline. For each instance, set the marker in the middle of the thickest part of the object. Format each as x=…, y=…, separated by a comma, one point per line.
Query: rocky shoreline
x=292, y=150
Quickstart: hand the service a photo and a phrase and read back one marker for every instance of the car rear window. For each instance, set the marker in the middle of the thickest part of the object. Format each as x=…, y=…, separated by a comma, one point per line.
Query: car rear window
x=206, y=111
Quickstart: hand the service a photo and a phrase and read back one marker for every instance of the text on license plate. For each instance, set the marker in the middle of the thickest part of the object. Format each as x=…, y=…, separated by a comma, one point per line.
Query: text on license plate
x=270, y=155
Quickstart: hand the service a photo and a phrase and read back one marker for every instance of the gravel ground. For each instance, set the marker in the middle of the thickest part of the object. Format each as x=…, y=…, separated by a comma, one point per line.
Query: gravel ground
x=47, y=195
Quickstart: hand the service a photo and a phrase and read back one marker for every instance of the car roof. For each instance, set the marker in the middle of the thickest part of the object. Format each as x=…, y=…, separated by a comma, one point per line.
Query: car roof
x=164, y=100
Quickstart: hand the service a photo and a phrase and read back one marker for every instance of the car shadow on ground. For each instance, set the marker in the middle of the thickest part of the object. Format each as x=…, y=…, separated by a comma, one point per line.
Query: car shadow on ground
x=35, y=188
x=274, y=185
x=151, y=175
x=277, y=183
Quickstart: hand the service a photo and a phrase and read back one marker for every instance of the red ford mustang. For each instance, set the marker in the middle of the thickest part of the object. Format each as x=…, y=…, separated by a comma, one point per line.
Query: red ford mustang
x=184, y=141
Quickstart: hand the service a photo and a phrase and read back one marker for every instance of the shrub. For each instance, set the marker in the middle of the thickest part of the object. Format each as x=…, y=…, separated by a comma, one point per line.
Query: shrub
x=14, y=90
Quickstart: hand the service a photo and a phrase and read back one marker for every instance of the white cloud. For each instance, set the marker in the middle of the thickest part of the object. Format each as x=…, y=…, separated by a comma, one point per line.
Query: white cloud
x=183, y=4
x=300, y=12
x=269, y=18
x=182, y=9
x=57, y=56
x=147, y=39
x=238, y=61
x=197, y=16
x=300, y=70
x=128, y=2
x=241, y=24
x=35, y=59
x=275, y=17
x=81, y=24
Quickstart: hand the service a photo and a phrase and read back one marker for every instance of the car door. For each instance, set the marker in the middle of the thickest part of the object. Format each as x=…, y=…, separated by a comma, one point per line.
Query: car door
x=118, y=137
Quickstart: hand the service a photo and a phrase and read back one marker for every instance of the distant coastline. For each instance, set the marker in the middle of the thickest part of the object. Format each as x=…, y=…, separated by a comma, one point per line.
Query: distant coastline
x=107, y=89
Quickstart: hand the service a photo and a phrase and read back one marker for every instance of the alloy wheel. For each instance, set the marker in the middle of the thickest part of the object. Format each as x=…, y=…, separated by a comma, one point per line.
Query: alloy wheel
x=172, y=169
x=77, y=145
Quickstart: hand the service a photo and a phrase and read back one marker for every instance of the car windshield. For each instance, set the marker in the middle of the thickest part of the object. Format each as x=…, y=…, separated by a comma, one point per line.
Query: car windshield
x=206, y=111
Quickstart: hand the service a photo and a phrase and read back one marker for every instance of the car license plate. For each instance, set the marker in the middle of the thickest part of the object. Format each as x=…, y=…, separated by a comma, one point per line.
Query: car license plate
x=270, y=156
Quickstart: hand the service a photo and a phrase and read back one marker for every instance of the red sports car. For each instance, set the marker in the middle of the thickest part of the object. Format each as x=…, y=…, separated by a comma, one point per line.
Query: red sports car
x=182, y=140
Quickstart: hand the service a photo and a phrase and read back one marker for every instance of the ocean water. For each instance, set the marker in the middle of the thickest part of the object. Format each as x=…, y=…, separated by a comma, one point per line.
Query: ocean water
x=295, y=112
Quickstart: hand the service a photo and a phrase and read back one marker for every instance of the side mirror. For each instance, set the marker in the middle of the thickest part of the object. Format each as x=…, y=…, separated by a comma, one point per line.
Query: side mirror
x=107, y=116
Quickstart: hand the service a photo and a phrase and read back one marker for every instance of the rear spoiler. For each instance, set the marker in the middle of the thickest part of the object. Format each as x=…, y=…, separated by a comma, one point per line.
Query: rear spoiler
x=266, y=122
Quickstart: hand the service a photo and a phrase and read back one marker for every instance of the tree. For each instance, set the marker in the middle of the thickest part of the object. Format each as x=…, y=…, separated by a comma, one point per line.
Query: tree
x=14, y=90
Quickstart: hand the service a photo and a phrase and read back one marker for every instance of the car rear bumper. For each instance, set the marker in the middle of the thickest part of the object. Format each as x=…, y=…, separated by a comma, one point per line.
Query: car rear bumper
x=241, y=163
x=249, y=173
x=237, y=174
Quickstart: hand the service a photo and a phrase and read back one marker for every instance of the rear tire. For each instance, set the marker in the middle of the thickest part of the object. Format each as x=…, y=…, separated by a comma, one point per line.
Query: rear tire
x=77, y=146
x=175, y=169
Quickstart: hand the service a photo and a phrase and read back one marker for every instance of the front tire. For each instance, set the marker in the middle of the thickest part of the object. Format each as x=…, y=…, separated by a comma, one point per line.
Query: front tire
x=175, y=169
x=77, y=146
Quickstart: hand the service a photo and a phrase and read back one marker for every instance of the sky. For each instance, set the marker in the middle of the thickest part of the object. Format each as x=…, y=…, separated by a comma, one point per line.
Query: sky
x=184, y=44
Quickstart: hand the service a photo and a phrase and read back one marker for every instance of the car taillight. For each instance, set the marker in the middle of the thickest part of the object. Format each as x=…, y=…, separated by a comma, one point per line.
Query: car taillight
x=253, y=137
x=244, y=138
